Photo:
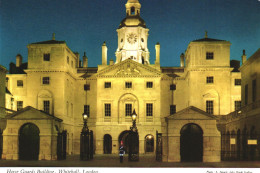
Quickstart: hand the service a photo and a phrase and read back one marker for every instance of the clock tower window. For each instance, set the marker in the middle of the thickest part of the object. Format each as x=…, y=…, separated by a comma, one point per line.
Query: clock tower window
x=132, y=10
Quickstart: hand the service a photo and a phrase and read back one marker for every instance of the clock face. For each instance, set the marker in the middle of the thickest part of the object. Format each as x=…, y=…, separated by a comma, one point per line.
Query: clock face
x=131, y=38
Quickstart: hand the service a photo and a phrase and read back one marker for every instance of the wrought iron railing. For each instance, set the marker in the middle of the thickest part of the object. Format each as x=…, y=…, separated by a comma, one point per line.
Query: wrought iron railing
x=242, y=111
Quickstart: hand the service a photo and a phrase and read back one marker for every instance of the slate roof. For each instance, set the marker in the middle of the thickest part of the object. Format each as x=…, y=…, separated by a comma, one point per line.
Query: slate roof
x=207, y=40
x=50, y=42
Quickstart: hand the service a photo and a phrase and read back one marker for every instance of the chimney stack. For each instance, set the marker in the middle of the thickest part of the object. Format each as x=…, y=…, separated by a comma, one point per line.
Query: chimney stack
x=157, y=52
x=104, y=54
x=111, y=62
x=19, y=60
x=182, y=60
x=85, y=60
x=244, y=57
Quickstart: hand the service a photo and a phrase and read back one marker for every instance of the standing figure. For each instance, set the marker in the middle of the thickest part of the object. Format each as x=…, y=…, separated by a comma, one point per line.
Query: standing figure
x=121, y=153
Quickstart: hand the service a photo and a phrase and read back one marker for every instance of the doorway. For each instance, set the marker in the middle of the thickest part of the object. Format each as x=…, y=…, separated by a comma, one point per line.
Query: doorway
x=191, y=143
x=123, y=140
x=29, y=142
x=149, y=143
x=107, y=144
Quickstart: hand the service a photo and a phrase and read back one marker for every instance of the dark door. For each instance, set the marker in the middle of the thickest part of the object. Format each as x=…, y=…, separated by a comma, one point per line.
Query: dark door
x=29, y=142
x=107, y=144
x=191, y=143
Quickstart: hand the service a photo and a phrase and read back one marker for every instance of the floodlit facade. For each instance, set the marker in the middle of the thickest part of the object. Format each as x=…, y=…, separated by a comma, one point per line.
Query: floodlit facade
x=52, y=91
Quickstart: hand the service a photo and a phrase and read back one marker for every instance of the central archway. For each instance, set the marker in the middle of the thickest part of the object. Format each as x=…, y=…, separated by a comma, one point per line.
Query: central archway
x=191, y=143
x=123, y=139
x=29, y=142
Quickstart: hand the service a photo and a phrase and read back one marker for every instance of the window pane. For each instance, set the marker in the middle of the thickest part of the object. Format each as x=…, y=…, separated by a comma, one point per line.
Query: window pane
x=46, y=80
x=46, y=106
x=246, y=94
x=128, y=109
x=46, y=57
x=149, y=109
x=172, y=109
x=210, y=79
x=20, y=83
x=107, y=110
x=128, y=85
x=254, y=90
x=237, y=105
x=86, y=87
x=209, y=106
x=172, y=87
x=86, y=110
x=237, y=81
x=209, y=55
x=149, y=84
x=19, y=105
x=107, y=84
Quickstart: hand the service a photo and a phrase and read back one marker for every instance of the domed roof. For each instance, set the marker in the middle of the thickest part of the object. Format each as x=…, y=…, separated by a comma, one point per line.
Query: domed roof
x=132, y=21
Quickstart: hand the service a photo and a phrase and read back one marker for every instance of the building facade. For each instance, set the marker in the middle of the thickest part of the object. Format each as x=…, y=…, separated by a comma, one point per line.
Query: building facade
x=52, y=91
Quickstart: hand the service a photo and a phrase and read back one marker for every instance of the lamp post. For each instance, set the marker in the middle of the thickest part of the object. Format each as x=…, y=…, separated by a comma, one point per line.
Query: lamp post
x=133, y=140
x=85, y=147
x=134, y=128
x=85, y=120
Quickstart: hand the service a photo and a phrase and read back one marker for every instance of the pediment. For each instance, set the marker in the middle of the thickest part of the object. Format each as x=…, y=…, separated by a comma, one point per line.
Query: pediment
x=30, y=113
x=129, y=68
x=191, y=113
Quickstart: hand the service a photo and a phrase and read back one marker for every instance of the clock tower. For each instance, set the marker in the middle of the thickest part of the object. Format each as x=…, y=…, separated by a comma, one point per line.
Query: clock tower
x=132, y=35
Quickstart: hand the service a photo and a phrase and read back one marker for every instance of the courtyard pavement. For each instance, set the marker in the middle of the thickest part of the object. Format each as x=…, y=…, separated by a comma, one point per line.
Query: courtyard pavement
x=145, y=161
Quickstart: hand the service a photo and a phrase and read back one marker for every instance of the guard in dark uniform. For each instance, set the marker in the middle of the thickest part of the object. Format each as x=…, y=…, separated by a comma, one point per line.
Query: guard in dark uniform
x=121, y=153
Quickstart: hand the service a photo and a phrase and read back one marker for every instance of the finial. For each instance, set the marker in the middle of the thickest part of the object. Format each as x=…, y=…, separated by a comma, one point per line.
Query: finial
x=84, y=53
x=53, y=36
x=104, y=43
x=244, y=52
x=206, y=34
x=157, y=43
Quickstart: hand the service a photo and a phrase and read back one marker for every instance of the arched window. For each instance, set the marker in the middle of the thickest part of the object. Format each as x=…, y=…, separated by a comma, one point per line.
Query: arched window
x=132, y=10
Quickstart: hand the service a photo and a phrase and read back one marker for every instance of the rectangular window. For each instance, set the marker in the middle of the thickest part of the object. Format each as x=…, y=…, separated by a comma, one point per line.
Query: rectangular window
x=67, y=106
x=128, y=109
x=20, y=83
x=46, y=57
x=86, y=87
x=210, y=106
x=172, y=109
x=72, y=64
x=68, y=60
x=254, y=90
x=237, y=105
x=210, y=79
x=107, y=84
x=209, y=55
x=172, y=87
x=107, y=110
x=46, y=106
x=87, y=110
x=149, y=109
x=246, y=94
x=149, y=84
x=46, y=80
x=19, y=105
x=237, y=82
x=128, y=84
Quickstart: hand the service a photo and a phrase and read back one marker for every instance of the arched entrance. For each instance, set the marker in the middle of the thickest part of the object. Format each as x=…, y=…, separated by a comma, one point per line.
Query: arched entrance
x=191, y=143
x=124, y=138
x=29, y=142
x=149, y=143
x=107, y=144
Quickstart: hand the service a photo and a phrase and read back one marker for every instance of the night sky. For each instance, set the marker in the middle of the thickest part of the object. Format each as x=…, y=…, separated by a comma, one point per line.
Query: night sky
x=86, y=24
